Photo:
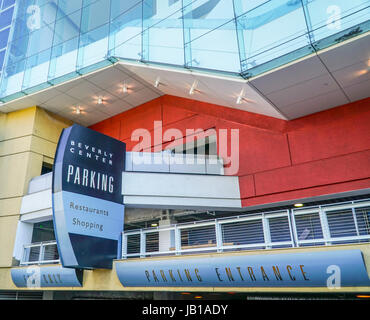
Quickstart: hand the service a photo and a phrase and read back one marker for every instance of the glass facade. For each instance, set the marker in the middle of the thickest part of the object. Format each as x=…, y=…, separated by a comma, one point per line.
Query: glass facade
x=6, y=16
x=51, y=41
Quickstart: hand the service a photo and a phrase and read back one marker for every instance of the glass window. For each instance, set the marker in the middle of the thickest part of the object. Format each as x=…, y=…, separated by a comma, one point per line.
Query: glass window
x=2, y=54
x=210, y=35
x=242, y=6
x=93, y=47
x=4, y=38
x=7, y=3
x=94, y=15
x=63, y=59
x=126, y=29
x=43, y=231
x=163, y=34
x=67, y=7
x=217, y=50
x=273, y=30
x=327, y=18
x=36, y=71
x=6, y=18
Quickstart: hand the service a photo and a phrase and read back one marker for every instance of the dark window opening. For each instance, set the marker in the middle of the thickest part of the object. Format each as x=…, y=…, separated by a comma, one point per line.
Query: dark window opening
x=46, y=168
x=43, y=231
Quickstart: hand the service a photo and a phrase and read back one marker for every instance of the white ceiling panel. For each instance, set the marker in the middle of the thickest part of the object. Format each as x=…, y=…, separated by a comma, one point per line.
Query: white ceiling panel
x=64, y=87
x=84, y=90
x=358, y=91
x=290, y=75
x=353, y=74
x=116, y=107
x=4, y=109
x=105, y=95
x=347, y=53
x=60, y=103
x=95, y=116
x=21, y=103
x=168, y=78
x=107, y=78
x=132, y=85
x=140, y=97
x=226, y=93
x=212, y=89
x=303, y=91
x=44, y=96
x=315, y=104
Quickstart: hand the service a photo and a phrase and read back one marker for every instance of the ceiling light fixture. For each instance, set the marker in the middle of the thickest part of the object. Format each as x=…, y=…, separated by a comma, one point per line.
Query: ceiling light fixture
x=241, y=98
x=125, y=88
x=298, y=205
x=157, y=82
x=78, y=110
x=154, y=224
x=100, y=100
x=193, y=87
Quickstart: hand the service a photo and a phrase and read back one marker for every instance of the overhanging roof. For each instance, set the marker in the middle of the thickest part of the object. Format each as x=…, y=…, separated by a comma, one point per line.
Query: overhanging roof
x=332, y=77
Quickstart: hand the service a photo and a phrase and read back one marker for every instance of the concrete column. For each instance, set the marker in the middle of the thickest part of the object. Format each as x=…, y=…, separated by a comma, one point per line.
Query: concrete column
x=166, y=238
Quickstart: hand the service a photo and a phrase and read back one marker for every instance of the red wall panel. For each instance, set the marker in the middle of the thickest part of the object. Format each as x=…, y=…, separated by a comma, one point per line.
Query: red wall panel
x=321, y=172
x=141, y=117
x=306, y=193
x=279, y=160
x=173, y=114
x=330, y=133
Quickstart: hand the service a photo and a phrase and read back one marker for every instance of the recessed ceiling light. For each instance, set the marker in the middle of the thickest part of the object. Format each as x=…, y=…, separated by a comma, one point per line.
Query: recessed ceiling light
x=298, y=205
x=154, y=224
x=125, y=88
x=361, y=72
x=240, y=99
x=193, y=87
x=100, y=100
x=78, y=110
x=157, y=82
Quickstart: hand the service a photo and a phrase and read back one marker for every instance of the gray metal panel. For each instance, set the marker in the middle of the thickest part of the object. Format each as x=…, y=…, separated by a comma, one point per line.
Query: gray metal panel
x=181, y=163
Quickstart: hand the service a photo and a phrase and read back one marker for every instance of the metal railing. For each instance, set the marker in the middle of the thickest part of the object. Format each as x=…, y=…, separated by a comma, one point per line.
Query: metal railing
x=341, y=223
x=40, y=253
x=313, y=226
